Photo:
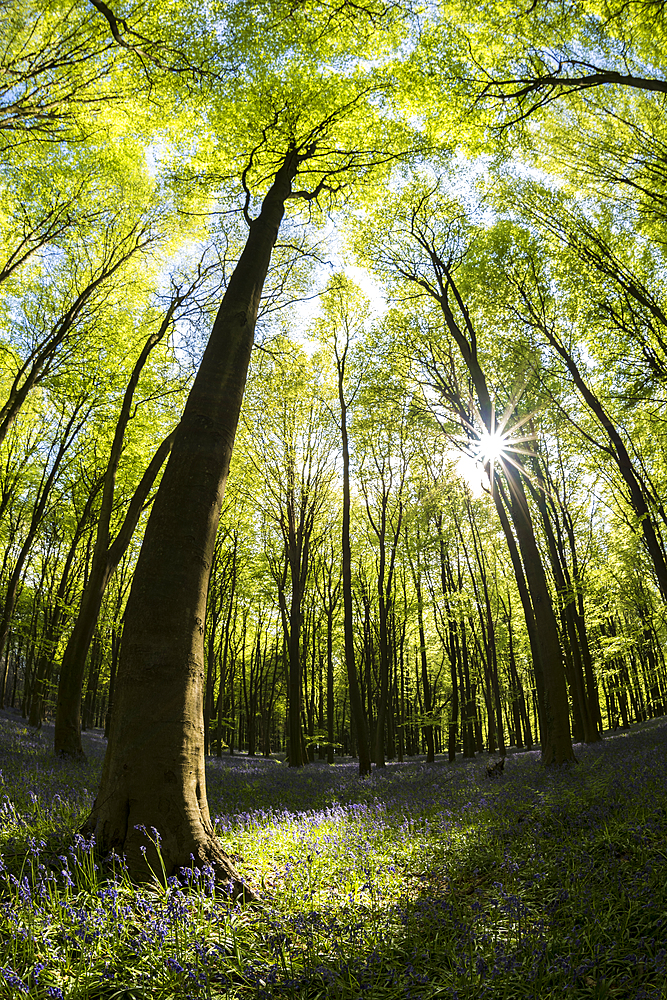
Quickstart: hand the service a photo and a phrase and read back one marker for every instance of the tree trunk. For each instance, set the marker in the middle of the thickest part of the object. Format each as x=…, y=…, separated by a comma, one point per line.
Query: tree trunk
x=16, y=659
x=70, y=432
x=330, y=686
x=501, y=501
x=153, y=775
x=426, y=684
x=356, y=705
x=580, y=620
x=384, y=667
x=637, y=492
x=54, y=628
x=67, y=733
x=115, y=651
x=428, y=704
x=565, y=596
x=556, y=740
x=385, y=601
x=296, y=758
x=489, y=632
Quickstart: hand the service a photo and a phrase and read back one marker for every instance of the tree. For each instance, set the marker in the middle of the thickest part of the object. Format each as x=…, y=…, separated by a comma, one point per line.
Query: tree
x=56, y=610
x=538, y=311
x=339, y=328
x=328, y=580
x=107, y=553
x=292, y=456
x=161, y=663
x=69, y=425
x=416, y=572
x=425, y=246
x=162, y=657
x=382, y=469
x=84, y=294
x=518, y=63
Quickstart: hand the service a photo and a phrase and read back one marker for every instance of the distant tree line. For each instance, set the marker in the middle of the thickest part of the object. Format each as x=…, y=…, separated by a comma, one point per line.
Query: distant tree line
x=436, y=602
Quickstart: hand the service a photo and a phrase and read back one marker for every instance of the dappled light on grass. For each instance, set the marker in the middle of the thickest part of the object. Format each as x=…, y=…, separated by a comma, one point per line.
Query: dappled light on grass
x=422, y=881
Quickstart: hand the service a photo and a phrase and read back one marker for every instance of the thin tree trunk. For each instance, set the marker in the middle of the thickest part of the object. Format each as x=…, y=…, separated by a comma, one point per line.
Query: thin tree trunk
x=37, y=515
x=556, y=741
x=565, y=596
x=330, y=686
x=356, y=706
x=67, y=733
x=501, y=503
x=616, y=451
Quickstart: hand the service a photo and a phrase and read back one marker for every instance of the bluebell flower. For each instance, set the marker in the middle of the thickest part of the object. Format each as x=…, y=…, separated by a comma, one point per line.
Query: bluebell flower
x=12, y=978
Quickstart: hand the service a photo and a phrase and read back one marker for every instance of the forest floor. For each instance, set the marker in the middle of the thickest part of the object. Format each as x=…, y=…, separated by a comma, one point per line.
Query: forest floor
x=422, y=881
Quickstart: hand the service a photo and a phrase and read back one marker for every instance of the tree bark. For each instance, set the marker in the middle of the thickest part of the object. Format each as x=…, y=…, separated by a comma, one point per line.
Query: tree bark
x=356, y=705
x=153, y=775
x=67, y=734
x=69, y=434
x=556, y=740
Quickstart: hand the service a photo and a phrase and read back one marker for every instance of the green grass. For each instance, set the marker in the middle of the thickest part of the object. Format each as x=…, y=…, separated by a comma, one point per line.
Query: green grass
x=422, y=881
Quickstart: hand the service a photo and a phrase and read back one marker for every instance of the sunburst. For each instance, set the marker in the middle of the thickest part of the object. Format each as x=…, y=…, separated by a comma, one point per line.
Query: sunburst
x=505, y=442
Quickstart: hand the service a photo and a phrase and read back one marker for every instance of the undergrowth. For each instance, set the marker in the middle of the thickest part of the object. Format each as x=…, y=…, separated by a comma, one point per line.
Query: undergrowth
x=422, y=881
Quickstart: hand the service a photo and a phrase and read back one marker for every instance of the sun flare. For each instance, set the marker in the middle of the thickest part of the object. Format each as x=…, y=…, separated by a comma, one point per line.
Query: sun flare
x=484, y=450
x=491, y=447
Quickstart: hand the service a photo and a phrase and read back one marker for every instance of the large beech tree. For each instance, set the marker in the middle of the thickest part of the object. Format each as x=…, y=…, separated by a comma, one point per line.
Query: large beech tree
x=153, y=775
x=154, y=767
